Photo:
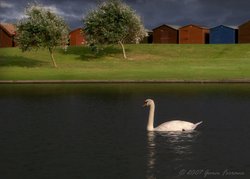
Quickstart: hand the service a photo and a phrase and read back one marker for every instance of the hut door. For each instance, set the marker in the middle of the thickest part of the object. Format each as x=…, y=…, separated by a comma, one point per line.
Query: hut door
x=163, y=36
x=185, y=37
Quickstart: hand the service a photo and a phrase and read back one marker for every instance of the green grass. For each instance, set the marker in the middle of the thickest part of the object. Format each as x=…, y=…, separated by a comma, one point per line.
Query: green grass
x=152, y=62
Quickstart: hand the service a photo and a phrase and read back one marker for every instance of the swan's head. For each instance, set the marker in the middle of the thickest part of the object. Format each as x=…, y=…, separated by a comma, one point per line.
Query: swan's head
x=148, y=102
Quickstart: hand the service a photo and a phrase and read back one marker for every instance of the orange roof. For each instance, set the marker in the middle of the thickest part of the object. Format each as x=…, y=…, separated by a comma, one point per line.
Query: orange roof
x=76, y=30
x=9, y=28
x=200, y=27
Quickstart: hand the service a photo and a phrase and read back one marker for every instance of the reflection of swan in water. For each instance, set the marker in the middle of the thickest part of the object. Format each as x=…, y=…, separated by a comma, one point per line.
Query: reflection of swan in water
x=168, y=148
x=151, y=165
x=179, y=143
x=175, y=125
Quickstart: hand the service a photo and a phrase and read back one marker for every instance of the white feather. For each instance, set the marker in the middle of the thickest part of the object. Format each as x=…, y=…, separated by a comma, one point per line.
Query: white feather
x=174, y=125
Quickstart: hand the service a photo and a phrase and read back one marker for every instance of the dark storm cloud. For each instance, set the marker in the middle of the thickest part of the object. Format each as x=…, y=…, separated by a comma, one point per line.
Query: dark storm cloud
x=203, y=12
x=153, y=12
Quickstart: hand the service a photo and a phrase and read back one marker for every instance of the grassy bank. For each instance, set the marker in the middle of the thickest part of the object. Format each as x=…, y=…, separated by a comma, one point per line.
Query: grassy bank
x=153, y=62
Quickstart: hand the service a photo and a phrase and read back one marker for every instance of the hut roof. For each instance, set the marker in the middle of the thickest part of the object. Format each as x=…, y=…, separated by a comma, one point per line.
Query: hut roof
x=198, y=26
x=176, y=27
x=76, y=30
x=229, y=26
x=244, y=23
x=9, y=28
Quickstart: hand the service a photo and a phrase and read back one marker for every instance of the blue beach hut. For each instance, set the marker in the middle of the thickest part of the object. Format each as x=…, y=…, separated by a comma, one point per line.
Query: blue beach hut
x=223, y=35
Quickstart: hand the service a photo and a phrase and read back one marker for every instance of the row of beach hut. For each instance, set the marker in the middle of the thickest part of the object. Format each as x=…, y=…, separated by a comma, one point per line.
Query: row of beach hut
x=165, y=34
x=189, y=34
x=194, y=34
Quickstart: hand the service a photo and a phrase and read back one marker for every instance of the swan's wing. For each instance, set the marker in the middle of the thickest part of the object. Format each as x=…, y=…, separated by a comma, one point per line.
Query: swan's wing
x=198, y=123
x=175, y=125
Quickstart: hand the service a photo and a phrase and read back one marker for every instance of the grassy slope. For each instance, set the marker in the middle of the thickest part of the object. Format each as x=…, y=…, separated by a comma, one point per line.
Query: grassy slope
x=146, y=62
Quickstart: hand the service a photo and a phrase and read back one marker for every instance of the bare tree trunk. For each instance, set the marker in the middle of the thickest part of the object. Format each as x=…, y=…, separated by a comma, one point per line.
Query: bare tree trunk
x=123, y=50
x=52, y=57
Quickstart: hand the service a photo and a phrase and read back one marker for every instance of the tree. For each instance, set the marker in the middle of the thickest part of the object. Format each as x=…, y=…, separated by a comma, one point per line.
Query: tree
x=113, y=22
x=41, y=28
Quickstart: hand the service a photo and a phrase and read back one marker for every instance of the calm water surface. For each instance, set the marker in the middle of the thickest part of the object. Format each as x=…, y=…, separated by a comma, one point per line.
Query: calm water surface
x=99, y=131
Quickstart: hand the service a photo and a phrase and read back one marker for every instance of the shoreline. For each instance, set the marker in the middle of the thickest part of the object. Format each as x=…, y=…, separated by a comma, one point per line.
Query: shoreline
x=123, y=81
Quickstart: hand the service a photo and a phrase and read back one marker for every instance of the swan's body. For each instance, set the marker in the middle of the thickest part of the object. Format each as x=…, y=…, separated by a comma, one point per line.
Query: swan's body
x=175, y=125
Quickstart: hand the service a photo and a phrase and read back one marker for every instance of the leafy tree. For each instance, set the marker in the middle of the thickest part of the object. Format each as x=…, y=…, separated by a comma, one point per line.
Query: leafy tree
x=113, y=22
x=41, y=28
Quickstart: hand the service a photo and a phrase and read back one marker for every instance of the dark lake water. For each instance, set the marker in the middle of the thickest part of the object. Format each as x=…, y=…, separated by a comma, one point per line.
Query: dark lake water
x=99, y=132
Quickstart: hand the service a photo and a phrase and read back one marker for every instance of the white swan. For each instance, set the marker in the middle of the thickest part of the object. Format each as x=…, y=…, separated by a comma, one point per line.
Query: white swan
x=170, y=126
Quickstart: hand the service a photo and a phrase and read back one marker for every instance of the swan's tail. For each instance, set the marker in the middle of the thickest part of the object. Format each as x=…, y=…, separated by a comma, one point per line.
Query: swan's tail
x=198, y=123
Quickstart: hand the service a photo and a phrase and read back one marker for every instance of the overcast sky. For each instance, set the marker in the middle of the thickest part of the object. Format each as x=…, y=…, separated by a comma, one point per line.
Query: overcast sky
x=153, y=12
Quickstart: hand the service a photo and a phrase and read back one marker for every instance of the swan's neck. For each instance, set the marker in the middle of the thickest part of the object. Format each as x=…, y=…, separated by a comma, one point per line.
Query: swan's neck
x=150, y=126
